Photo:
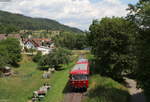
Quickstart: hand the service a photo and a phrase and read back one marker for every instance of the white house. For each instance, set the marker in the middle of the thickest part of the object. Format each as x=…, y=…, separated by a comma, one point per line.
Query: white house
x=30, y=44
x=44, y=50
x=43, y=45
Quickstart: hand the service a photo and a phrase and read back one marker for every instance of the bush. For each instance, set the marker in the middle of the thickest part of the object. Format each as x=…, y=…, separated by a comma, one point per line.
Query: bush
x=70, y=40
x=10, y=52
x=112, y=41
x=37, y=57
x=140, y=14
x=1, y=74
x=56, y=58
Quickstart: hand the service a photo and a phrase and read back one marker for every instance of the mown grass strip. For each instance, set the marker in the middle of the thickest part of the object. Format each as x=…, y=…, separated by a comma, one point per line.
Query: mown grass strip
x=58, y=82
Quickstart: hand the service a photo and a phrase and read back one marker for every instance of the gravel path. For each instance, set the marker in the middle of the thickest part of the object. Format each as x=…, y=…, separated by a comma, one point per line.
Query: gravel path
x=73, y=97
x=136, y=94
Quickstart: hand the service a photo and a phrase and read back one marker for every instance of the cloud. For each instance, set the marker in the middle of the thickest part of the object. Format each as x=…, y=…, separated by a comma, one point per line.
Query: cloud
x=77, y=13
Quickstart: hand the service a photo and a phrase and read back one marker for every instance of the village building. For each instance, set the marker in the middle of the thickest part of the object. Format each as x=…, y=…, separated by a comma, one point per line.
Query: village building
x=30, y=44
x=2, y=36
x=44, y=45
x=17, y=36
x=40, y=44
x=44, y=50
x=55, y=32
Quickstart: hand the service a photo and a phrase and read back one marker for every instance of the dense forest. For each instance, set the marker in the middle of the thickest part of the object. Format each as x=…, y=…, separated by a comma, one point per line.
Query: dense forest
x=71, y=40
x=29, y=23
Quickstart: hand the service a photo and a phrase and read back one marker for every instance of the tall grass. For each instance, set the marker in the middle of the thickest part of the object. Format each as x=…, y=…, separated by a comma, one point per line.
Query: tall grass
x=103, y=89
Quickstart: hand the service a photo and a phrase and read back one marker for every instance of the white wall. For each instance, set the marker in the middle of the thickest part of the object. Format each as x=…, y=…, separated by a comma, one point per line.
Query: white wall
x=44, y=50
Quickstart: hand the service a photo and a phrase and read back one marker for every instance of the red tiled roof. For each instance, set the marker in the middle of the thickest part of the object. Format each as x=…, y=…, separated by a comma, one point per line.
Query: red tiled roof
x=2, y=36
x=36, y=41
x=14, y=36
x=33, y=42
x=42, y=39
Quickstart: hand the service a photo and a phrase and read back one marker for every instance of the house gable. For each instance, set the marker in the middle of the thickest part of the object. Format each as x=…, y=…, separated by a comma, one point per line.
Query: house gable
x=29, y=44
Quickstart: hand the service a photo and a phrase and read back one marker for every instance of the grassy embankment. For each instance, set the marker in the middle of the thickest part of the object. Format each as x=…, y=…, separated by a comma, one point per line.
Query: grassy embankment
x=21, y=86
x=104, y=89
x=29, y=79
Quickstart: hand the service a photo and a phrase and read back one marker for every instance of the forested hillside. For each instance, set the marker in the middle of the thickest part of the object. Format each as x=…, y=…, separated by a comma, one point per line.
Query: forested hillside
x=29, y=23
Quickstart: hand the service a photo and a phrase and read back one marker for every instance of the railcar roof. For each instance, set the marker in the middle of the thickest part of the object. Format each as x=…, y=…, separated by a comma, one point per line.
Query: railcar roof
x=82, y=60
x=80, y=67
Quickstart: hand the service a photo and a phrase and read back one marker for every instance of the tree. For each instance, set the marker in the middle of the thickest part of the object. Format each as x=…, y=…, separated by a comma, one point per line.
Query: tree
x=37, y=57
x=81, y=41
x=56, y=58
x=12, y=49
x=7, y=29
x=112, y=41
x=3, y=57
x=70, y=40
x=29, y=23
x=140, y=14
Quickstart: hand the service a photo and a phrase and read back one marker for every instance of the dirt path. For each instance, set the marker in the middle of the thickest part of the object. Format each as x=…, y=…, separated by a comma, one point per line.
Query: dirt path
x=73, y=97
x=136, y=94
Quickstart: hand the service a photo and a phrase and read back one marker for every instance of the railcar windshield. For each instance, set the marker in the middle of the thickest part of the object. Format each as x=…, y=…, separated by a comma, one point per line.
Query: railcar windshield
x=79, y=77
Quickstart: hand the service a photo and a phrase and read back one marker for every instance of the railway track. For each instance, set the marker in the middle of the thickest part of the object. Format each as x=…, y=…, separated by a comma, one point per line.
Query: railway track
x=73, y=97
x=82, y=67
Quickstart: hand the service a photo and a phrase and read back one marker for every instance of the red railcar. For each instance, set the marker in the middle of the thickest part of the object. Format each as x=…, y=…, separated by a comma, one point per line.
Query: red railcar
x=79, y=75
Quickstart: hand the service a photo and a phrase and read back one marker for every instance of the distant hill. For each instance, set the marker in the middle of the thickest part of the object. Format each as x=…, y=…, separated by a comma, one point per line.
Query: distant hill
x=29, y=23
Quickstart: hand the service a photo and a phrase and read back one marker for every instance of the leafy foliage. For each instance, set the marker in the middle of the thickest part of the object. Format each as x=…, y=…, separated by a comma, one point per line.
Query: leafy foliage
x=10, y=52
x=7, y=29
x=140, y=14
x=112, y=41
x=3, y=56
x=70, y=40
x=37, y=57
x=56, y=58
x=29, y=23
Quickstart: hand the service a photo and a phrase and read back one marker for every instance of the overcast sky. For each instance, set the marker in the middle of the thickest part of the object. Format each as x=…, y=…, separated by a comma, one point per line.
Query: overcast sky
x=75, y=13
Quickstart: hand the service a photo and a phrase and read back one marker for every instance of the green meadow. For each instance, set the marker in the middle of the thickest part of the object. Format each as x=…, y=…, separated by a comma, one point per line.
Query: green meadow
x=27, y=78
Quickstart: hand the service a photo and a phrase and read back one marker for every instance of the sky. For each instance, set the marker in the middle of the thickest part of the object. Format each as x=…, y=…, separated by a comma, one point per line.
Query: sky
x=75, y=13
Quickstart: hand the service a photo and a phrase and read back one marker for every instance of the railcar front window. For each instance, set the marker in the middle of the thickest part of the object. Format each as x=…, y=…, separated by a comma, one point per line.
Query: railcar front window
x=79, y=77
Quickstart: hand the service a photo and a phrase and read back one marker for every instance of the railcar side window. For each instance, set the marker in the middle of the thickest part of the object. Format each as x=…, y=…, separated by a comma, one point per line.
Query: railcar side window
x=79, y=77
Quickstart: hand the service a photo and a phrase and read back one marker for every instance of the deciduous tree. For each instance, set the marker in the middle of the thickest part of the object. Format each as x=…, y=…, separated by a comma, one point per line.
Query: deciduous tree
x=140, y=14
x=56, y=58
x=11, y=50
x=112, y=41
